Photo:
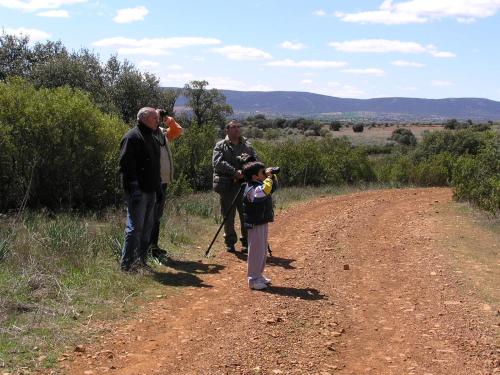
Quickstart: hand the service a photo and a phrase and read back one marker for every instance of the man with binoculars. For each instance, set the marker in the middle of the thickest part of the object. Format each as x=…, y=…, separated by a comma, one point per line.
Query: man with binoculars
x=227, y=180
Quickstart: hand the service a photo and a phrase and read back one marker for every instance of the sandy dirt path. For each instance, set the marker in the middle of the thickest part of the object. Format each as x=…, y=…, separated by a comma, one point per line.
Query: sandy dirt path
x=401, y=307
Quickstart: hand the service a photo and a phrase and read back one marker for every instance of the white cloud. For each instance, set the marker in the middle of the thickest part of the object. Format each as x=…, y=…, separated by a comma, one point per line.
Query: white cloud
x=176, y=79
x=228, y=83
x=236, y=52
x=144, y=64
x=421, y=11
x=440, y=83
x=292, y=45
x=342, y=90
x=33, y=34
x=54, y=13
x=145, y=51
x=316, y=64
x=152, y=46
x=128, y=15
x=219, y=82
x=36, y=5
x=409, y=64
x=387, y=46
x=366, y=71
x=306, y=82
x=319, y=13
x=174, y=67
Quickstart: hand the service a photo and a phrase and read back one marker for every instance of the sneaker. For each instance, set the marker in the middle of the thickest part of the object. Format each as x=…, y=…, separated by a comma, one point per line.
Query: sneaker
x=258, y=285
x=230, y=249
x=265, y=280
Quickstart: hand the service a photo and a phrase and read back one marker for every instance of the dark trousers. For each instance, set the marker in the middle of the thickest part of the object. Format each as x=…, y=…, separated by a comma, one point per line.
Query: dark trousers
x=226, y=198
x=158, y=213
x=140, y=207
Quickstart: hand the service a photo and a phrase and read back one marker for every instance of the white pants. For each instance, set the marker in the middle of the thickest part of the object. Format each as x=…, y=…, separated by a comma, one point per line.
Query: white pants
x=257, y=252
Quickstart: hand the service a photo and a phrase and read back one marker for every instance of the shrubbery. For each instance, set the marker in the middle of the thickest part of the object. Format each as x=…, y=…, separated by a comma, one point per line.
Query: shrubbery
x=56, y=147
x=477, y=179
x=467, y=159
x=317, y=162
x=404, y=137
x=358, y=128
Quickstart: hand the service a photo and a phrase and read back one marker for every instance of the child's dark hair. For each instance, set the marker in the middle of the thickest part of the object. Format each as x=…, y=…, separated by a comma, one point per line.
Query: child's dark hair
x=252, y=168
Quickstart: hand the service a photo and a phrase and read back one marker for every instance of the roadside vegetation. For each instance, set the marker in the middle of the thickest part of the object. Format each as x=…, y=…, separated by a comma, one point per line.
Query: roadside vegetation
x=62, y=115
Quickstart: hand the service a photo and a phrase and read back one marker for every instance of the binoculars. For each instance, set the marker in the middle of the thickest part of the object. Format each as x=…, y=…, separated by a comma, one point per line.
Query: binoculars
x=275, y=170
x=162, y=113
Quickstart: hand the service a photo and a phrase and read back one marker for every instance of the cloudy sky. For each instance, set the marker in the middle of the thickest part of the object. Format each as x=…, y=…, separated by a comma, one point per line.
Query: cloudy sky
x=358, y=49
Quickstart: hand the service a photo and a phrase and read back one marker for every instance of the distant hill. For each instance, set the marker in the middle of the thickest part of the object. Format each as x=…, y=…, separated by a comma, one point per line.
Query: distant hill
x=293, y=104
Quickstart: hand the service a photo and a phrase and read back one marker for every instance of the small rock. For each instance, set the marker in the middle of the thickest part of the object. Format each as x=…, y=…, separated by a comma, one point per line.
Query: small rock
x=346, y=267
x=88, y=372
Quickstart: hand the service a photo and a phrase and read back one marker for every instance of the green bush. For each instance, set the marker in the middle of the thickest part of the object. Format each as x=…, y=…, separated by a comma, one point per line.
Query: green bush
x=317, y=162
x=435, y=171
x=477, y=179
x=460, y=142
x=57, y=149
x=358, y=128
x=404, y=137
x=192, y=155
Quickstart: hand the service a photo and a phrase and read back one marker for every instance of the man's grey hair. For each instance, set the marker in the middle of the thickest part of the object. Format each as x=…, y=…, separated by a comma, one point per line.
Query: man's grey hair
x=144, y=112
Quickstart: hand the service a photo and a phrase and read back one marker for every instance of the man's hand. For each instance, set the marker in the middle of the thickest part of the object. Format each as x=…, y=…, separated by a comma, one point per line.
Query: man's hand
x=239, y=174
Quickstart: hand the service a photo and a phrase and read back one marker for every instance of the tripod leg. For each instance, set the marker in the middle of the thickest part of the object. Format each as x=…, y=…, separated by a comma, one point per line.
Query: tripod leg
x=240, y=191
x=269, y=250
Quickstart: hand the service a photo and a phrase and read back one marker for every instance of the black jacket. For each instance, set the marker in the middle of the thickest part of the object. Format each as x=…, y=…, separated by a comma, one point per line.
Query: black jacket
x=140, y=159
x=260, y=211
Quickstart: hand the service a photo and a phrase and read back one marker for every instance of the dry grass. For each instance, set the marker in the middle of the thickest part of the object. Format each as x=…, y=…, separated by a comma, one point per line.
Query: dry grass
x=473, y=238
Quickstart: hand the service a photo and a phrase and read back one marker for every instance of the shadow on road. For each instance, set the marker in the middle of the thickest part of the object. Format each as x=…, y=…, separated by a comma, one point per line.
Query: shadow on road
x=285, y=263
x=195, y=267
x=179, y=279
x=309, y=294
x=271, y=261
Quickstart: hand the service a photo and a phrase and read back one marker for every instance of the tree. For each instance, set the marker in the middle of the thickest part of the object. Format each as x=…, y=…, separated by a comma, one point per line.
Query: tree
x=451, y=124
x=358, y=128
x=209, y=106
x=168, y=97
x=335, y=125
x=404, y=137
x=15, y=56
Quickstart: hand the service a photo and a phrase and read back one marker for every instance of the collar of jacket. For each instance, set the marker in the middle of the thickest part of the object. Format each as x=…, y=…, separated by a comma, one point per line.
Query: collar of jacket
x=242, y=140
x=143, y=127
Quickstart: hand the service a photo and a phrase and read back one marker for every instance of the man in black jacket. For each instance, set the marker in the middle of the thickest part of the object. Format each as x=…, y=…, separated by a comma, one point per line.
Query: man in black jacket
x=140, y=169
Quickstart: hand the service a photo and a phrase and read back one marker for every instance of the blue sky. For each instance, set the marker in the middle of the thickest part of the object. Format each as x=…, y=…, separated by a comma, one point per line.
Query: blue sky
x=358, y=49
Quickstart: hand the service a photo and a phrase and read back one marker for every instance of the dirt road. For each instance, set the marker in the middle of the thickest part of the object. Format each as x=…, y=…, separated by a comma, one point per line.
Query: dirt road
x=401, y=307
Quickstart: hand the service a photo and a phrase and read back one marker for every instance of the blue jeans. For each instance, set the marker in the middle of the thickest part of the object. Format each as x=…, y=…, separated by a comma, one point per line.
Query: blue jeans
x=140, y=212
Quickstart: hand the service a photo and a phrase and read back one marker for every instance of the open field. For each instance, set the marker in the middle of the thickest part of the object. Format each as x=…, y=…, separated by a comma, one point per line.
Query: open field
x=379, y=135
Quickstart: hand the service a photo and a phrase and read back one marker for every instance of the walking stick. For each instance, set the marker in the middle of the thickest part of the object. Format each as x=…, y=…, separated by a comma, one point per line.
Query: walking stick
x=240, y=191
